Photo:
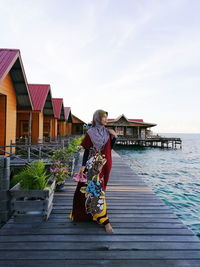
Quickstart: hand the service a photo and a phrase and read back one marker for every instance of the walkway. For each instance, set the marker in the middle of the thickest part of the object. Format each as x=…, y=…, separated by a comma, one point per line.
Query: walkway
x=147, y=232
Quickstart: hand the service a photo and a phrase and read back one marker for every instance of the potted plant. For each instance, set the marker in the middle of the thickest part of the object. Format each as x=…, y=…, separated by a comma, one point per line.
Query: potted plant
x=59, y=172
x=32, y=193
x=68, y=155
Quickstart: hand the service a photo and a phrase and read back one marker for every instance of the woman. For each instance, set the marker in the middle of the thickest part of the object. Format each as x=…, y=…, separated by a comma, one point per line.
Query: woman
x=102, y=139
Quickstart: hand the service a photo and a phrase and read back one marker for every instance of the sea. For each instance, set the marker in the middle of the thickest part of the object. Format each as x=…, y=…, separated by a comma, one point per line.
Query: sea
x=173, y=174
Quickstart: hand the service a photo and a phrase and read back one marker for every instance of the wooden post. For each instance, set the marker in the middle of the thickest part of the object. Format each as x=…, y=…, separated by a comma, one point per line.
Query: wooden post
x=11, y=147
x=138, y=131
x=5, y=211
x=29, y=153
x=40, y=151
x=63, y=143
x=30, y=128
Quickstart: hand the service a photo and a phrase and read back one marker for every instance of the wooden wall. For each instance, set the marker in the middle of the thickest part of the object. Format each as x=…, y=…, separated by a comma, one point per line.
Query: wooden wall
x=54, y=128
x=36, y=128
x=62, y=128
x=48, y=126
x=68, y=128
x=7, y=89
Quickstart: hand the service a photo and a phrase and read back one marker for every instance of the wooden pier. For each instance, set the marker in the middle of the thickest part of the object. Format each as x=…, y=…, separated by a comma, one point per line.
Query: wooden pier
x=147, y=232
x=154, y=141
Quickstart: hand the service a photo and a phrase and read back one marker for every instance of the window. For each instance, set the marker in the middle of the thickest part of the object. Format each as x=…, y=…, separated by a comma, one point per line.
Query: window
x=129, y=131
x=119, y=130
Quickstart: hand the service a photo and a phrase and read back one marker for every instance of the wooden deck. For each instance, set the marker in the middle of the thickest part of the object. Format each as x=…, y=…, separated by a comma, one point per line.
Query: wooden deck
x=147, y=232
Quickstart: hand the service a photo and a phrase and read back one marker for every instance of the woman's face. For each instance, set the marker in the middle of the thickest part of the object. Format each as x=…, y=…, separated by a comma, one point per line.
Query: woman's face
x=104, y=119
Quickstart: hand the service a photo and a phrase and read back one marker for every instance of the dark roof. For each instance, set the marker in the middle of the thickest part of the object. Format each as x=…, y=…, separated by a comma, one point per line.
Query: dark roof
x=41, y=98
x=138, y=121
x=11, y=62
x=68, y=114
x=58, y=108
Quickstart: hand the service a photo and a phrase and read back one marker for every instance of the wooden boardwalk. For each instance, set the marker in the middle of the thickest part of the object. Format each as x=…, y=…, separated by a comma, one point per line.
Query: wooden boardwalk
x=147, y=232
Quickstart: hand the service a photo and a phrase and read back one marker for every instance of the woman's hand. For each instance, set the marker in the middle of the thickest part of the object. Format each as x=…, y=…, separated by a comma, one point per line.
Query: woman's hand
x=81, y=170
x=112, y=132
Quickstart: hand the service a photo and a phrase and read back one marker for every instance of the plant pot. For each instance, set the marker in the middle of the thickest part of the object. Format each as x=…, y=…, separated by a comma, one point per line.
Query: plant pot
x=32, y=205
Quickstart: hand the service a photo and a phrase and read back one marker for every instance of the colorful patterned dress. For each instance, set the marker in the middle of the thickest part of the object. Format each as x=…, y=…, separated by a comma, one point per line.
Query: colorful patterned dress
x=78, y=212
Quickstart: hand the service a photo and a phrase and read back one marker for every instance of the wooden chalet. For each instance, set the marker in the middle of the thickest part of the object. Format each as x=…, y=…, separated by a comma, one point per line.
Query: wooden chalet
x=77, y=125
x=14, y=95
x=37, y=123
x=59, y=121
x=129, y=128
x=68, y=118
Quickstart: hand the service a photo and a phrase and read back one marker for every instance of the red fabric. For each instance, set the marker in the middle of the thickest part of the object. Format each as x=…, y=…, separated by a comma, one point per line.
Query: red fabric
x=86, y=142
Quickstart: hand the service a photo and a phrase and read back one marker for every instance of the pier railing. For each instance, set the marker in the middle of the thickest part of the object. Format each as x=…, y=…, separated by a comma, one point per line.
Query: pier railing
x=150, y=141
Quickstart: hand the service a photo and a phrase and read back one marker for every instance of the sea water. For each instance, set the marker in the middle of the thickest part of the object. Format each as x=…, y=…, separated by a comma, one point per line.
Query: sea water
x=173, y=174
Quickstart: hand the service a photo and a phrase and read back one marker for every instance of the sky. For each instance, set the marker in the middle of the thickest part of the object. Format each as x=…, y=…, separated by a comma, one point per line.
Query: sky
x=140, y=58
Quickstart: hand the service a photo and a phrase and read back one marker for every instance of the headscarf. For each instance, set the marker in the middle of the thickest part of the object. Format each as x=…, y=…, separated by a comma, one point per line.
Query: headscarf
x=98, y=133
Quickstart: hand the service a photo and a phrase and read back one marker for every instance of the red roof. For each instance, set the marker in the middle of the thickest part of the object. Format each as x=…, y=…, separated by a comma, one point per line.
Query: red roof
x=67, y=112
x=7, y=59
x=38, y=93
x=57, y=103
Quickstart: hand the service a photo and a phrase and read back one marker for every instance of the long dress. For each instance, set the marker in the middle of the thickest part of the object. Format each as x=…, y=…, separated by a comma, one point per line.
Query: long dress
x=78, y=212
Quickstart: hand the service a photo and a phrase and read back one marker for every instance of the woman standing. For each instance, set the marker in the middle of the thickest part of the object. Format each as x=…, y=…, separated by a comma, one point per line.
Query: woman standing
x=100, y=138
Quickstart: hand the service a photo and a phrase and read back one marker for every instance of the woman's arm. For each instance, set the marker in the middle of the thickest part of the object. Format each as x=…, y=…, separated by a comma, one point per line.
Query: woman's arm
x=112, y=142
x=112, y=133
x=85, y=157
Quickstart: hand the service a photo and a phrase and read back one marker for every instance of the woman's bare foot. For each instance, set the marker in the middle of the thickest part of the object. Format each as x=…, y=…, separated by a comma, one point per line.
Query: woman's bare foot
x=108, y=228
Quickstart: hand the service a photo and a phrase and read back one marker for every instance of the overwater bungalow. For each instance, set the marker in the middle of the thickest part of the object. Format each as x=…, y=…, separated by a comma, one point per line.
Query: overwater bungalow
x=68, y=118
x=14, y=95
x=37, y=123
x=77, y=125
x=60, y=123
x=130, y=128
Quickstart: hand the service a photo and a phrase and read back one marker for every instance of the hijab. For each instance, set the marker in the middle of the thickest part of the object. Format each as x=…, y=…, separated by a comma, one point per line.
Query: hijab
x=98, y=133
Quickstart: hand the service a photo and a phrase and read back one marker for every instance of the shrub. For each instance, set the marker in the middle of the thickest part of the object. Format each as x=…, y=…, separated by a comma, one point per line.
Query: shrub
x=32, y=177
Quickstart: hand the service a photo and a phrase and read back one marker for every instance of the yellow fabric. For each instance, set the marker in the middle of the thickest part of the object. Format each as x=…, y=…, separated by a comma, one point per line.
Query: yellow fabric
x=102, y=213
x=96, y=216
x=70, y=216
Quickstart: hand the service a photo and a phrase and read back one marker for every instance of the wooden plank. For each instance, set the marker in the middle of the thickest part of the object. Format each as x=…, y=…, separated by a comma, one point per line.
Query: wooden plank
x=103, y=262
x=97, y=231
x=96, y=255
x=126, y=225
x=97, y=238
x=100, y=246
